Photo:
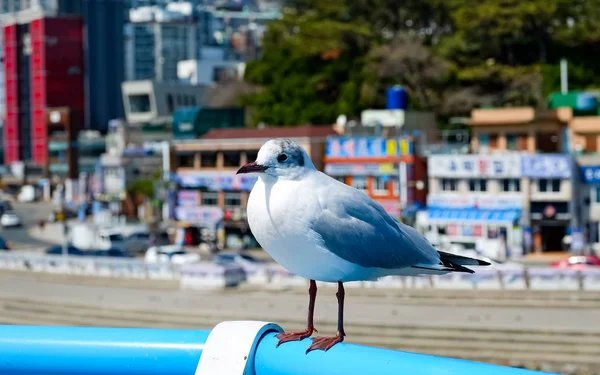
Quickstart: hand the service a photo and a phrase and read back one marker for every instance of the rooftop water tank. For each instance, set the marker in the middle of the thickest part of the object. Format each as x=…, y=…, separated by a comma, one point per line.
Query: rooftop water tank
x=397, y=98
x=586, y=102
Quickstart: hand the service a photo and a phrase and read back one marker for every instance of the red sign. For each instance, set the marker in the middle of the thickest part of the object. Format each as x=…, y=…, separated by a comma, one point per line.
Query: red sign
x=549, y=211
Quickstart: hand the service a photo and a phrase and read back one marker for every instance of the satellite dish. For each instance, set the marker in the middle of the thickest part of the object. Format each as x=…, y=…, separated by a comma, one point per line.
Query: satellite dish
x=341, y=120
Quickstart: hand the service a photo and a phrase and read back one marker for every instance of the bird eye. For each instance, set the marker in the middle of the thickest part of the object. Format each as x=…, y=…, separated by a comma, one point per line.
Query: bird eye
x=281, y=158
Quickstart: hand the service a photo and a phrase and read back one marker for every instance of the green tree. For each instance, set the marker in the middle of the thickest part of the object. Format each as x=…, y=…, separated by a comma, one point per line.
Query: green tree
x=312, y=67
x=143, y=187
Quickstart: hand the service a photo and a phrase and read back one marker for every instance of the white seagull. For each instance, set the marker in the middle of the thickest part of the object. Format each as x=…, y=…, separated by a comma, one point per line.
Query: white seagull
x=321, y=229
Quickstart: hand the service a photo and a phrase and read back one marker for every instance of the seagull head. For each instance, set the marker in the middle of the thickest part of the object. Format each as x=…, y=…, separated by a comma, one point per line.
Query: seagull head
x=280, y=158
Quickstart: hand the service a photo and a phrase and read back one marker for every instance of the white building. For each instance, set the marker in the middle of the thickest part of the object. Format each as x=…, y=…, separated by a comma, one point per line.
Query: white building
x=151, y=101
x=213, y=67
x=475, y=201
x=501, y=205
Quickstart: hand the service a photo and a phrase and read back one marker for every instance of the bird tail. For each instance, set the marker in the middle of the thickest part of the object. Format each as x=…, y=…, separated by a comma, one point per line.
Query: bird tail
x=453, y=263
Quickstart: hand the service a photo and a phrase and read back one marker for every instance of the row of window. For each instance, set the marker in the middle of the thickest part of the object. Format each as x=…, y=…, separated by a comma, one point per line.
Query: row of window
x=232, y=199
x=544, y=142
x=379, y=184
x=209, y=159
x=180, y=100
x=506, y=185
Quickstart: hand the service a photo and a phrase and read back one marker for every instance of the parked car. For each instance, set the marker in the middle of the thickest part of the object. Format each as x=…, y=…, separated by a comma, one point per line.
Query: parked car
x=241, y=259
x=577, y=262
x=5, y=206
x=10, y=219
x=4, y=244
x=173, y=254
x=112, y=252
x=111, y=238
x=137, y=242
x=249, y=264
x=71, y=250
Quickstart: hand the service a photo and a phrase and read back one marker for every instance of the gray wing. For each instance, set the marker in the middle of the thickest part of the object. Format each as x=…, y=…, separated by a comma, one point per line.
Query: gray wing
x=357, y=229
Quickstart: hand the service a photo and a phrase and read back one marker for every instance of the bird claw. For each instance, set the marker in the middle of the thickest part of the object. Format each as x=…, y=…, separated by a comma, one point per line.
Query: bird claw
x=324, y=343
x=294, y=336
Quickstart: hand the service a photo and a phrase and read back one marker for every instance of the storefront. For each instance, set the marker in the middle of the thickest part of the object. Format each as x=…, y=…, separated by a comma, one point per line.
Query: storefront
x=488, y=225
x=214, y=202
x=590, y=203
x=384, y=168
x=552, y=206
x=475, y=202
x=550, y=224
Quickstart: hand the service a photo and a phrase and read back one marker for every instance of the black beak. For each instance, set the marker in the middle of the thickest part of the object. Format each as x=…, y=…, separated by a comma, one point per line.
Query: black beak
x=252, y=167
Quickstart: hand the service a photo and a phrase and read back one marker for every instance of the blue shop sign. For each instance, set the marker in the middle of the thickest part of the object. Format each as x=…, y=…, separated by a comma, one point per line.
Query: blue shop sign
x=367, y=147
x=590, y=175
x=546, y=166
x=216, y=181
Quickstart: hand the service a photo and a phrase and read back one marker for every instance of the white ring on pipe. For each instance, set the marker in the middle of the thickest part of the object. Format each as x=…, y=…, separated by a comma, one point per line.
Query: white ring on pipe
x=230, y=346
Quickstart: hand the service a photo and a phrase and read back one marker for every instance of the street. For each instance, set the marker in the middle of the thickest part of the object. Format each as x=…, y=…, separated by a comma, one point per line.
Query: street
x=30, y=214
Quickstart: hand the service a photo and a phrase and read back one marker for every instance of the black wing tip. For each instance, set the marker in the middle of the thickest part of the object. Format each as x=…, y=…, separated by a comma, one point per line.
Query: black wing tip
x=459, y=268
x=444, y=256
x=482, y=262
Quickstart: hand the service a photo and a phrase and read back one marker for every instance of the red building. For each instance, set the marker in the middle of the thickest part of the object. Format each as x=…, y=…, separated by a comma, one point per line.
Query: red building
x=386, y=169
x=43, y=69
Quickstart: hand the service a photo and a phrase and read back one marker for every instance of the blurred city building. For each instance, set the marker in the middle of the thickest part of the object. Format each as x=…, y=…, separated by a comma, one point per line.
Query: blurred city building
x=386, y=169
x=209, y=193
x=195, y=122
x=44, y=68
x=104, y=61
x=157, y=38
x=514, y=194
x=133, y=153
x=382, y=154
x=151, y=101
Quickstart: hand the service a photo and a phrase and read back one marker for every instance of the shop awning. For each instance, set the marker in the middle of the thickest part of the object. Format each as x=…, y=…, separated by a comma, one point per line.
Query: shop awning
x=473, y=215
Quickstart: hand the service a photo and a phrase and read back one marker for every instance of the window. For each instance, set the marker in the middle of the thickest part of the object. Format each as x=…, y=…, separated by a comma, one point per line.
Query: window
x=170, y=104
x=596, y=195
x=233, y=199
x=209, y=198
x=251, y=155
x=516, y=142
x=231, y=159
x=139, y=103
x=478, y=185
x=208, y=159
x=185, y=160
x=549, y=185
x=511, y=142
x=341, y=179
x=395, y=186
x=380, y=185
x=493, y=141
x=359, y=182
x=449, y=184
x=511, y=184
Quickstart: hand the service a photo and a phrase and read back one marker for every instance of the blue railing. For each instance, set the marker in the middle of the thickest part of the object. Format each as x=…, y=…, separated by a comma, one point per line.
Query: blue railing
x=231, y=348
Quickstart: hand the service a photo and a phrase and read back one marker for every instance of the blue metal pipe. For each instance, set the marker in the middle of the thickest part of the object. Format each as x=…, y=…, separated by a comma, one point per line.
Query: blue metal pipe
x=99, y=351
x=349, y=359
x=126, y=351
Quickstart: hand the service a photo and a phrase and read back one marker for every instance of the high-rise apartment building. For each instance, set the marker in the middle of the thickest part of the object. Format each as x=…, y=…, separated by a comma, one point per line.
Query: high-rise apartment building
x=44, y=68
x=158, y=38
